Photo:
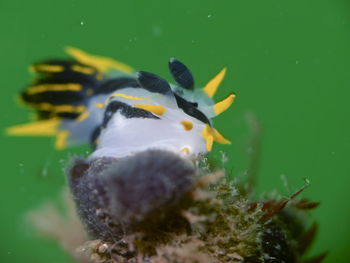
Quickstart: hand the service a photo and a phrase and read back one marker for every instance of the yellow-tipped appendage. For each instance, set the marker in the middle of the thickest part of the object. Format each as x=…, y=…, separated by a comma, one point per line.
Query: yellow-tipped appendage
x=223, y=105
x=211, y=135
x=213, y=85
x=103, y=64
x=42, y=128
x=211, y=88
x=39, y=128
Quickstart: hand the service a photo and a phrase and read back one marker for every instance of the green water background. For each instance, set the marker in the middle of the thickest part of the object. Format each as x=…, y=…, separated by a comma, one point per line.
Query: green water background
x=288, y=62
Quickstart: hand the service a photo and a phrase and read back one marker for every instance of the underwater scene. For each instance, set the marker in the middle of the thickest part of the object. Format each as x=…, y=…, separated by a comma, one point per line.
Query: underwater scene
x=175, y=131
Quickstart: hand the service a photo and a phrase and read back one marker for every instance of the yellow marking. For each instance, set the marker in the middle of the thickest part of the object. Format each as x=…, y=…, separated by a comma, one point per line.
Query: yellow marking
x=99, y=105
x=54, y=87
x=188, y=125
x=156, y=109
x=48, y=68
x=61, y=140
x=59, y=108
x=89, y=92
x=83, y=116
x=40, y=128
x=83, y=70
x=212, y=86
x=210, y=135
x=185, y=150
x=223, y=105
x=103, y=64
x=127, y=96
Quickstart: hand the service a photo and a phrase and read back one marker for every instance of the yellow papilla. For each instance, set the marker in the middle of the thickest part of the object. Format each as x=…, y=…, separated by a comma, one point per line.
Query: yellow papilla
x=42, y=128
x=39, y=128
x=210, y=135
x=223, y=105
x=212, y=86
x=103, y=64
x=61, y=140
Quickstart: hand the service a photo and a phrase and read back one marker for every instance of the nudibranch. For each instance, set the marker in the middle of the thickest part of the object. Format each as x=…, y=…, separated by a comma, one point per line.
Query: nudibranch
x=119, y=111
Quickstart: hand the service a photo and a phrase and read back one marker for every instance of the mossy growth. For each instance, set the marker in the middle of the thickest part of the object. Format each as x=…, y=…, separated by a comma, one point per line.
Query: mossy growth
x=209, y=221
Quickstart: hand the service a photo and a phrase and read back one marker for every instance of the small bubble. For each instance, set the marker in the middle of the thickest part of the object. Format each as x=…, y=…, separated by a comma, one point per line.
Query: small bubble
x=156, y=30
x=82, y=23
x=209, y=16
x=297, y=62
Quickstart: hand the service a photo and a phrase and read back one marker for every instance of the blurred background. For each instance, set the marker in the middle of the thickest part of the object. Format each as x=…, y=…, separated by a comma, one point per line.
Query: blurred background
x=288, y=62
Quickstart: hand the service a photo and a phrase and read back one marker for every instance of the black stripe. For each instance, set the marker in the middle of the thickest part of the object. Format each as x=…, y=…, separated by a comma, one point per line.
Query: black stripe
x=112, y=85
x=88, y=82
x=94, y=136
x=126, y=110
x=190, y=109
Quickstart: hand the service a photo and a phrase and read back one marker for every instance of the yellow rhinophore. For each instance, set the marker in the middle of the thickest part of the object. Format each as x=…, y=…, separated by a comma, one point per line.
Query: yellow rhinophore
x=103, y=64
x=212, y=86
x=156, y=109
x=223, y=105
x=210, y=135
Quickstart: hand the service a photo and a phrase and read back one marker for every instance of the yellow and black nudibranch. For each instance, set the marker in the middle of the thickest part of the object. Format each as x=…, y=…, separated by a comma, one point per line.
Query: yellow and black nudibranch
x=139, y=197
x=120, y=112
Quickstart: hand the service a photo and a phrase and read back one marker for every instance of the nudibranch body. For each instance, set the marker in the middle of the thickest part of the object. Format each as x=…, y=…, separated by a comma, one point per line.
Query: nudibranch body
x=120, y=112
